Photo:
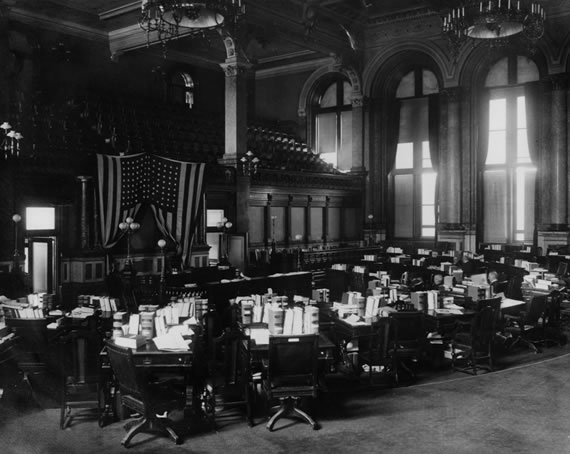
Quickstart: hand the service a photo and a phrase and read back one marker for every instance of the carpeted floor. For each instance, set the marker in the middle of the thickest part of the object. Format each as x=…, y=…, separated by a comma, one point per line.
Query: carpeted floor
x=522, y=408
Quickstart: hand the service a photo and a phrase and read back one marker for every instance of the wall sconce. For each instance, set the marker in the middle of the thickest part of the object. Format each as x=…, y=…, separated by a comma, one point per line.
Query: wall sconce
x=11, y=142
x=249, y=163
x=129, y=226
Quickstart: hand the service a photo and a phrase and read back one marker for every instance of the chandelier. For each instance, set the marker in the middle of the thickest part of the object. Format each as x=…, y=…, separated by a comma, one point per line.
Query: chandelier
x=171, y=19
x=495, y=22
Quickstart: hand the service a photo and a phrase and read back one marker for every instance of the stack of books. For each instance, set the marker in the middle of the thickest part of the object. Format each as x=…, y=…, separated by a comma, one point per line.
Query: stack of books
x=120, y=318
x=147, y=324
x=133, y=341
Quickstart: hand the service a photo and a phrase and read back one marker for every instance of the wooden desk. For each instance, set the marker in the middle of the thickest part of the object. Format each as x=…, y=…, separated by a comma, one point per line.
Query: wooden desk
x=149, y=357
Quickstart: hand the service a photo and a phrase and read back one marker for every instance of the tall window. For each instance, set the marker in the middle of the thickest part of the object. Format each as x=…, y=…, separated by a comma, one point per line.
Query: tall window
x=509, y=174
x=333, y=124
x=414, y=179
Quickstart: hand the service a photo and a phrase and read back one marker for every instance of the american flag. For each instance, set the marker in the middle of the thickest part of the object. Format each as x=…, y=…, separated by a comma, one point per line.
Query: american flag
x=121, y=184
x=175, y=197
x=172, y=188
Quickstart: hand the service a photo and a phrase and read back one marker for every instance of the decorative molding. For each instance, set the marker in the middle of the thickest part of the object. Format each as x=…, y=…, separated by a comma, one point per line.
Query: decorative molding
x=403, y=16
x=57, y=25
x=120, y=10
x=307, y=180
x=293, y=68
x=233, y=67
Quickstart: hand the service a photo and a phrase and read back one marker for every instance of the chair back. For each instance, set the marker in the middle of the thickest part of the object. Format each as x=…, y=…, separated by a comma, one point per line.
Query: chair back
x=32, y=333
x=232, y=353
x=536, y=308
x=380, y=342
x=79, y=355
x=124, y=368
x=483, y=328
x=293, y=361
x=409, y=329
x=32, y=348
x=552, y=313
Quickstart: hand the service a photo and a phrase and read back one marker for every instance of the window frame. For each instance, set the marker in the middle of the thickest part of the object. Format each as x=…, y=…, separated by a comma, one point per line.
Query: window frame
x=338, y=109
x=510, y=167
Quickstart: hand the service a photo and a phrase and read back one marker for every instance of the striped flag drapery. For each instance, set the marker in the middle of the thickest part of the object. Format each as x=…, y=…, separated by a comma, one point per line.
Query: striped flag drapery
x=176, y=193
x=121, y=184
x=172, y=188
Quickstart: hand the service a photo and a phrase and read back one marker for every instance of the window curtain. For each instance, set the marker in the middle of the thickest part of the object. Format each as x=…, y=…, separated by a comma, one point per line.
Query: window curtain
x=482, y=148
x=392, y=137
x=533, y=115
x=483, y=131
x=392, y=133
x=433, y=137
x=532, y=106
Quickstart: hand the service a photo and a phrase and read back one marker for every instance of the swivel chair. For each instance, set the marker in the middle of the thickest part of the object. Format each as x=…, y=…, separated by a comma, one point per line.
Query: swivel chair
x=139, y=396
x=292, y=373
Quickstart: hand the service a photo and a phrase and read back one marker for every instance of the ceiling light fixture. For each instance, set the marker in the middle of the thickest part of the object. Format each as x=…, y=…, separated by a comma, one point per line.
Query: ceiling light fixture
x=171, y=19
x=495, y=22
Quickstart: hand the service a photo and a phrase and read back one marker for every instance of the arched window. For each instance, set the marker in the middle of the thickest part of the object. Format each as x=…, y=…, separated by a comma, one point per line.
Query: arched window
x=414, y=176
x=332, y=112
x=509, y=173
x=181, y=89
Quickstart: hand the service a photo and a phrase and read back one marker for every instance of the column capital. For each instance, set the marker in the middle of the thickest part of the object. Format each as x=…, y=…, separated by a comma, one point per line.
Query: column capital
x=453, y=93
x=235, y=66
x=559, y=81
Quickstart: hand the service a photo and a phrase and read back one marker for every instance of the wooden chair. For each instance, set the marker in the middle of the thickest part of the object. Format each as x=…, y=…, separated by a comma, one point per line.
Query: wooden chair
x=409, y=342
x=377, y=357
x=477, y=346
x=80, y=373
x=31, y=349
x=229, y=383
x=528, y=327
x=139, y=396
x=292, y=373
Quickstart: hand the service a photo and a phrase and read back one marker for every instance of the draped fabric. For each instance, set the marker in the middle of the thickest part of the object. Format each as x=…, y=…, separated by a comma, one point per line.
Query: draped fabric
x=532, y=98
x=392, y=133
x=176, y=200
x=482, y=148
x=433, y=137
x=120, y=187
x=533, y=111
x=173, y=189
x=483, y=131
x=433, y=129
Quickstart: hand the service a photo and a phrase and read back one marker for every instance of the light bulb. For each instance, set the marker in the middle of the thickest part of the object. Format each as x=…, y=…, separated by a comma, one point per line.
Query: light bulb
x=16, y=218
x=161, y=243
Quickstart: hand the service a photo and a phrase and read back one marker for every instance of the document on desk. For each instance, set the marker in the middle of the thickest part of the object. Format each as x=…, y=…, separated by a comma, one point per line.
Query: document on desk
x=508, y=302
x=449, y=311
x=173, y=342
